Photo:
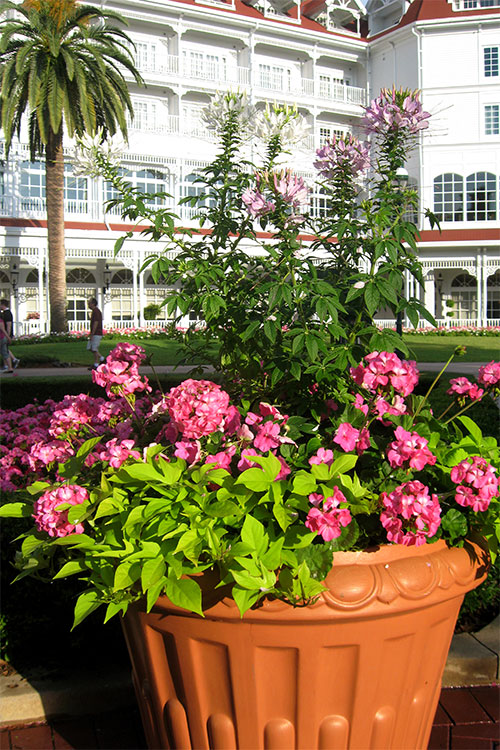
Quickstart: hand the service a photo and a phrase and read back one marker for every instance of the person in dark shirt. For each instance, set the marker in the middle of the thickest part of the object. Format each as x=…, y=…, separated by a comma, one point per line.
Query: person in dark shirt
x=8, y=321
x=95, y=335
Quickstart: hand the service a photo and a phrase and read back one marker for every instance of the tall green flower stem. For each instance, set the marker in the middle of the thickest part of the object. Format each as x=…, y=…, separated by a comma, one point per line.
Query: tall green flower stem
x=284, y=315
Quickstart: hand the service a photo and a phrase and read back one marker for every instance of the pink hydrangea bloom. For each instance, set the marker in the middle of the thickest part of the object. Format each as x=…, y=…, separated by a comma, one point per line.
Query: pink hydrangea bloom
x=55, y=523
x=409, y=450
x=410, y=514
x=477, y=483
x=343, y=152
x=346, y=436
x=489, y=375
x=326, y=518
x=198, y=407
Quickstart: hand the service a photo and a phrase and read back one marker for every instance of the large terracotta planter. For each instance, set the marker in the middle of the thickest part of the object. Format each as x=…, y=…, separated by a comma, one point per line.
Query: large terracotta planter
x=360, y=668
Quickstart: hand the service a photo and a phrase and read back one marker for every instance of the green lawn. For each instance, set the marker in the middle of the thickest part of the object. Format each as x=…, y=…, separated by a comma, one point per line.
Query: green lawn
x=168, y=352
x=439, y=348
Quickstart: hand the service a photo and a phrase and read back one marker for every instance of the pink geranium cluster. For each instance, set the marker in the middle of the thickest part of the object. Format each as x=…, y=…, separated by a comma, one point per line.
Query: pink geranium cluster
x=383, y=370
x=477, y=483
x=327, y=518
x=350, y=438
x=49, y=518
x=489, y=375
x=410, y=514
x=409, y=450
x=346, y=152
x=462, y=388
x=197, y=408
x=119, y=375
x=395, y=111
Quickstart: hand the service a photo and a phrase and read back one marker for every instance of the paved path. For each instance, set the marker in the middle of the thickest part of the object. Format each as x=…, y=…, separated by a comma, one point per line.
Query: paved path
x=461, y=368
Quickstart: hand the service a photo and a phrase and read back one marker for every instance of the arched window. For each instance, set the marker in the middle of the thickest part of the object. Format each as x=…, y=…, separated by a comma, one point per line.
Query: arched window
x=80, y=276
x=464, y=296
x=493, y=298
x=449, y=197
x=121, y=295
x=481, y=197
x=81, y=286
x=32, y=277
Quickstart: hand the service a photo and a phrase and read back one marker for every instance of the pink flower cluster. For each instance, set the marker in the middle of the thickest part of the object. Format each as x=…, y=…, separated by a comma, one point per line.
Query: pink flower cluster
x=116, y=452
x=477, y=483
x=119, y=375
x=350, y=438
x=410, y=514
x=197, y=407
x=489, y=375
x=383, y=370
x=394, y=111
x=291, y=188
x=343, y=152
x=462, y=388
x=327, y=518
x=409, y=450
x=53, y=521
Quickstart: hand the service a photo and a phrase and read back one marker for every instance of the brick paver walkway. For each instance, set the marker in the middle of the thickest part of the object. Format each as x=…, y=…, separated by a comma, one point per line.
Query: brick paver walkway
x=466, y=719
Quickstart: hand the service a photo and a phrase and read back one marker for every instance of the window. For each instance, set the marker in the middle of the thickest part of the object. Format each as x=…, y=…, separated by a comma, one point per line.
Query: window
x=274, y=77
x=464, y=296
x=320, y=204
x=145, y=55
x=121, y=295
x=155, y=294
x=490, y=62
x=449, y=197
x=493, y=299
x=327, y=133
x=148, y=180
x=492, y=119
x=75, y=192
x=481, y=192
x=203, y=65
x=81, y=286
x=32, y=188
x=146, y=116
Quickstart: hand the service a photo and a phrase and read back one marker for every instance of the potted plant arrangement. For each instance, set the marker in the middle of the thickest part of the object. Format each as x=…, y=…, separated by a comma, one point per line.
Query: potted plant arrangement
x=290, y=541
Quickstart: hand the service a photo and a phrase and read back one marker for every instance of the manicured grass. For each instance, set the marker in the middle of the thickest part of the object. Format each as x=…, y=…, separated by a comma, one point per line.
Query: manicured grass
x=440, y=348
x=166, y=351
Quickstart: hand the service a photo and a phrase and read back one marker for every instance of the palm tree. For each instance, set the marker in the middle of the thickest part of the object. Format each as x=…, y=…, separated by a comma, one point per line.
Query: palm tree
x=62, y=64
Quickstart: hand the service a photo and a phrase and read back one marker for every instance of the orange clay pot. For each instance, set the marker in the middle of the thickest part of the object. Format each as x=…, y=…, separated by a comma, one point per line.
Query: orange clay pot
x=360, y=668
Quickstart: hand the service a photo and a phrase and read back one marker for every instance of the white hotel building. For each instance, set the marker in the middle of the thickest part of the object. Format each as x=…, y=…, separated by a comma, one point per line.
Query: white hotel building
x=329, y=57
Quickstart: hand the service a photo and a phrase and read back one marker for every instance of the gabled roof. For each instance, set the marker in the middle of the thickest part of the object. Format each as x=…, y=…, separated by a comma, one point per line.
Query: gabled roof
x=433, y=10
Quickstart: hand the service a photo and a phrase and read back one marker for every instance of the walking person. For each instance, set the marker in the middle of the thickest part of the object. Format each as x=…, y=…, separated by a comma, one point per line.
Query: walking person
x=8, y=320
x=95, y=333
x=4, y=348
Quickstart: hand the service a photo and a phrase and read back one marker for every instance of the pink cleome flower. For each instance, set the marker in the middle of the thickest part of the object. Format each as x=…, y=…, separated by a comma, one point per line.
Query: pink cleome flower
x=477, y=483
x=198, y=407
x=395, y=111
x=343, y=152
x=256, y=203
x=55, y=522
x=326, y=518
x=409, y=450
x=410, y=514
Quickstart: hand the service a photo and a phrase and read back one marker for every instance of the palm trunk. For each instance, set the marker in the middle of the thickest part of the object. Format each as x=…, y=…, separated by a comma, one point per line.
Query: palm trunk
x=54, y=180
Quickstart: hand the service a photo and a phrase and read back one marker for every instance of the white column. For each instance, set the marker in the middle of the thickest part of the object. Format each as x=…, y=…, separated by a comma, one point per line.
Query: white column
x=430, y=293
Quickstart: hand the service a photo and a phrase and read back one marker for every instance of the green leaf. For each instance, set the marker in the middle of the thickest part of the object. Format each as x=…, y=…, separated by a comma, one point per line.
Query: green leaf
x=254, y=479
x=304, y=483
x=343, y=464
x=85, y=604
x=70, y=568
x=16, y=510
x=113, y=609
x=144, y=472
x=454, y=523
x=244, y=598
x=253, y=534
x=152, y=571
x=126, y=574
x=319, y=559
x=184, y=593
x=472, y=428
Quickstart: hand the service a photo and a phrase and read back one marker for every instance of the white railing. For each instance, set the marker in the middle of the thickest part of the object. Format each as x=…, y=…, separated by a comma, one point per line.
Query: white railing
x=443, y=323
x=473, y=4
